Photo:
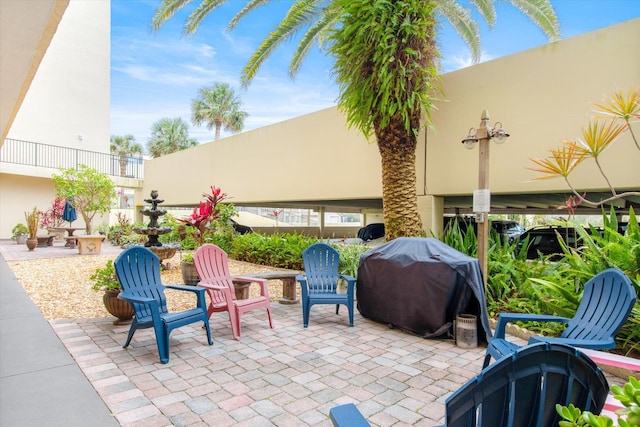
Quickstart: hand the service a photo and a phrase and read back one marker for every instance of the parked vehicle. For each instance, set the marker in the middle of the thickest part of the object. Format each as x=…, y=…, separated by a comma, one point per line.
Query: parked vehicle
x=506, y=229
x=545, y=240
x=371, y=232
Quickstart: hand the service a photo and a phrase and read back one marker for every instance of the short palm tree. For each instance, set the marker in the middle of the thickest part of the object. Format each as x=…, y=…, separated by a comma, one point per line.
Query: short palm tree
x=124, y=147
x=169, y=136
x=386, y=66
x=216, y=107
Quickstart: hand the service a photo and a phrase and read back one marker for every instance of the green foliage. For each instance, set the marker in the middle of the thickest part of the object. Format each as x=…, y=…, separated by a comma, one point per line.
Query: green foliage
x=19, y=230
x=278, y=250
x=218, y=106
x=350, y=258
x=385, y=62
x=92, y=192
x=105, y=278
x=628, y=395
x=168, y=136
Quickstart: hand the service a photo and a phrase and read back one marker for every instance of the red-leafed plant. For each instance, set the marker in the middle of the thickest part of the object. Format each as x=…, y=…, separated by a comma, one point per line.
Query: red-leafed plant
x=52, y=217
x=205, y=214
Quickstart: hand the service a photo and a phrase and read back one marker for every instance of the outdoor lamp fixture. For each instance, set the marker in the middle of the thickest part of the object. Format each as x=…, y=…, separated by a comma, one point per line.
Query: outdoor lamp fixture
x=482, y=196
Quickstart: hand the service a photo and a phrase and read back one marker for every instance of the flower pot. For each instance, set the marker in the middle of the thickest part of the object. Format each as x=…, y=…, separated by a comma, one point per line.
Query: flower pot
x=189, y=273
x=32, y=242
x=21, y=239
x=117, y=307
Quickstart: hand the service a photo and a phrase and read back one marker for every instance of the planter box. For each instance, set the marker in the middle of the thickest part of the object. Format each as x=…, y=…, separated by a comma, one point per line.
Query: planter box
x=89, y=245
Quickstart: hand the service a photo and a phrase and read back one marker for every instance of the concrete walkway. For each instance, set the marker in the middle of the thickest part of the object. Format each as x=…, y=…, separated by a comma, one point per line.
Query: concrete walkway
x=40, y=383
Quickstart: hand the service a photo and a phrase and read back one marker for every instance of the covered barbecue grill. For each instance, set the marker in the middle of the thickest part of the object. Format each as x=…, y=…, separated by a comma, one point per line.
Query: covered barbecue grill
x=420, y=285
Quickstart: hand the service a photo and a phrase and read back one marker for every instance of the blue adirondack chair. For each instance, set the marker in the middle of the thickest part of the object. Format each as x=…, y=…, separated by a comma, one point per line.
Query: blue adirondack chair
x=320, y=282
x=518, y=390
x=606, y=302
x=522, y=389
x=138, y=270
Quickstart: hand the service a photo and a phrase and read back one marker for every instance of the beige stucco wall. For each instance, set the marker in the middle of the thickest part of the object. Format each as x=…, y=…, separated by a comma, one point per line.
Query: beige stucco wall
x=311, y=157
x=69, y=96
x=542, y=97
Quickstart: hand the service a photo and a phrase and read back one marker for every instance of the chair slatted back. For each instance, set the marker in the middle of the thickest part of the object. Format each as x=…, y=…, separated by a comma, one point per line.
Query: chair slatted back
x=138, y=270
x=321, y=262
x=522, y=389
x=607, y=300
x=212, y=265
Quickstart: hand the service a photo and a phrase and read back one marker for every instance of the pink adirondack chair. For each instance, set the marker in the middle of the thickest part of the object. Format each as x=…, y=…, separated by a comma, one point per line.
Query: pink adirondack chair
x=212, y=266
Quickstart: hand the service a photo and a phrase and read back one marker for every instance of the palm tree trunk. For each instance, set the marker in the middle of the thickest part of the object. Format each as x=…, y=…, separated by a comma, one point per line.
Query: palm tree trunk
x=400, y=205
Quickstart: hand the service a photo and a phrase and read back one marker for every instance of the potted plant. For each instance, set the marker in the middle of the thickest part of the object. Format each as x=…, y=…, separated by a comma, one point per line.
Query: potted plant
x=32, y=228
x=19, y=233
x=105, y=279
x=189, y=273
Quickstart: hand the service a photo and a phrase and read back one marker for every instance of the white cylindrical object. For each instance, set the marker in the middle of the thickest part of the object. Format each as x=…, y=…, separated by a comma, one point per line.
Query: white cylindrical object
x=466, y=331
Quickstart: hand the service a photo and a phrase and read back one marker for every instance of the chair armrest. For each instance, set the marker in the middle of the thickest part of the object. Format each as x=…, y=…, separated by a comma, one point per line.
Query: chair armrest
x=194, y=289
x=302, y=279
x=593, y=344
x=202, y=301
x=264, y=288
x=505, y=318
x=136, y=299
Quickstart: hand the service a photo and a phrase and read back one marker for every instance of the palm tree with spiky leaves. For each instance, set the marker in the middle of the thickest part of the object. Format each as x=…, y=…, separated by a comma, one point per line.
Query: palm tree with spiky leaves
x=216, y=107
x=387, y=81
x=169, y=136
x=124, y=147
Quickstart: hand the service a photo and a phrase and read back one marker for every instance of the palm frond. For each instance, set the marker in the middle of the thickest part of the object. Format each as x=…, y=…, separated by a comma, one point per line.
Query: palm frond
x=542, y=13
x=461, y=20
x=316, y=33
x=167, y=9
x=200, y=12
x=300, y=14
x=246, y=9
x=487, y=10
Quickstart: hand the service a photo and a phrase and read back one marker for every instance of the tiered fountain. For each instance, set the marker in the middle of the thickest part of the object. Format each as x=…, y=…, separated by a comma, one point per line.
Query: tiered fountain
x=153, y=231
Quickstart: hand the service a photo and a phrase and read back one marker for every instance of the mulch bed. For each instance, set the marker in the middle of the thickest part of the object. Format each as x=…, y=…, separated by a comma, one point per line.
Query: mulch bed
x=61, y=287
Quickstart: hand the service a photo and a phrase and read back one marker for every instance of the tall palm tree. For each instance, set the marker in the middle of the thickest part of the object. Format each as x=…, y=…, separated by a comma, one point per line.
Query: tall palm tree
x=123, y=147
x=169, y=136
x=216, y=107
x=386, y=68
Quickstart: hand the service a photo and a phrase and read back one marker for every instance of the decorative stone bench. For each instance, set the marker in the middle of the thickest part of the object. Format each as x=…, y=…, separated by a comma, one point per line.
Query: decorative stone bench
x=289, y=295
x=44, y=241
x=89, y=245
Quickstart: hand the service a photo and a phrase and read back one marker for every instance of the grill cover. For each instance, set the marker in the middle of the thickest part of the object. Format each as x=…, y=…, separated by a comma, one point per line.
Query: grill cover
x=419, y=285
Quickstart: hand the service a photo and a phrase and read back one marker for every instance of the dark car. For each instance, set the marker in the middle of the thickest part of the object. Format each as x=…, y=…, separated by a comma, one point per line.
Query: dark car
x=508, y=230
x=545, y=241
x=371, y=232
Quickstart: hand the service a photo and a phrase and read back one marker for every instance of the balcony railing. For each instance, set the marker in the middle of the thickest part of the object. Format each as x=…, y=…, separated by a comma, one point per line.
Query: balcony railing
x=55, y=157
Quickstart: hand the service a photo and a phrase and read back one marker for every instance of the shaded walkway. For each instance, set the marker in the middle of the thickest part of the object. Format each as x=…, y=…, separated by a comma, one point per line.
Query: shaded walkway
x=40, y=383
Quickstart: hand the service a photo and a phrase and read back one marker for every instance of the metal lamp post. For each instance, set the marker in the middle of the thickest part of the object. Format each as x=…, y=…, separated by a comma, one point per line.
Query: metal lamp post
x=482, y=196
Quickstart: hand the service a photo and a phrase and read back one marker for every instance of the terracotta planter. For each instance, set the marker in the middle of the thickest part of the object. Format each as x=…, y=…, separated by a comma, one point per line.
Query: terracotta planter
x=117, y=307
x=189, y=273
x=32, y=243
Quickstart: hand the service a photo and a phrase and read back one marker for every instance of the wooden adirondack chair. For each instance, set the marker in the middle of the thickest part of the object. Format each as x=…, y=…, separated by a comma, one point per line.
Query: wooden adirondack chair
x=212, y=266
x=606, y=302
x=138, y=270
x=320, y=282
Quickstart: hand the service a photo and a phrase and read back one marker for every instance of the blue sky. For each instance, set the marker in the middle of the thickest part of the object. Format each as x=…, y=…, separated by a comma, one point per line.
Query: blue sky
x=157, y=74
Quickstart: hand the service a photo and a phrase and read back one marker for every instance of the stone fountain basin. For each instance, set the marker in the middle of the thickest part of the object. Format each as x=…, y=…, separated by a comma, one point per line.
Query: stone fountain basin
x=152, y=231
